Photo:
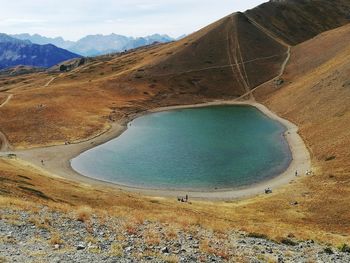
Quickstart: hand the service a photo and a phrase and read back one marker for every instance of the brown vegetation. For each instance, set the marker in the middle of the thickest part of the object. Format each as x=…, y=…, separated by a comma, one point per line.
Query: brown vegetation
x=296, y=21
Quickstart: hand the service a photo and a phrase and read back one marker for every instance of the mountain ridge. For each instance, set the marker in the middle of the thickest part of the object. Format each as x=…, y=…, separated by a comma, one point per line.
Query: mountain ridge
x=296, y=21
x=98, y=44
x=14, y=52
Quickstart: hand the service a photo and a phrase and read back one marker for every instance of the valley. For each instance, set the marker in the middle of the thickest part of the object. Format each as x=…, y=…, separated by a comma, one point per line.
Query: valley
x=258, y=57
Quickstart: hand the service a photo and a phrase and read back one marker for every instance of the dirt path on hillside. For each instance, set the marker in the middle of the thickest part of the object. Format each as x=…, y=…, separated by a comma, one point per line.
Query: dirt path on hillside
x=233, y=49
x=283, y=66
x=230, y=65
x=51, y=80
x=237, y=52
x=266, y=31
x=4, y=143
x=233, y=66
x=9, y=96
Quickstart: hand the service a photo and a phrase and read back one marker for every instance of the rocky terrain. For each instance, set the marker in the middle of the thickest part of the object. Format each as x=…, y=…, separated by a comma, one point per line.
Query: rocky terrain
x=48, y=236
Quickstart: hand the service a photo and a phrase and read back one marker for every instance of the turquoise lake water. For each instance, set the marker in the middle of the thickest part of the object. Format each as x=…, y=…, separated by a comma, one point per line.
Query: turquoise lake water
x=210, y=148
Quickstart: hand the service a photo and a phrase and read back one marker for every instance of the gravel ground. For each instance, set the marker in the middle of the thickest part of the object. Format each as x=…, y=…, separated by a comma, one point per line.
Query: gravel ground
x=47, y=236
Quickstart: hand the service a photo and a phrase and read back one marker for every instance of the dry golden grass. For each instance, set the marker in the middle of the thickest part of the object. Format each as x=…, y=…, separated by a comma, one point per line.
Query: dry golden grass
x=116, y=250
x=131, y=228
x=171, y=233
x=56, y=239
x=38, y=222
x=152, y=238
x=170, y=258
x=91, y=239
x=207, y=247
x=84, y=214
x=95, y=250
x=317, y=102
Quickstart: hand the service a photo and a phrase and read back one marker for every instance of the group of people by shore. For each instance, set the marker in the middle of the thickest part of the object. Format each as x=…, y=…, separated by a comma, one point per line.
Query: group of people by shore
x=269, y=190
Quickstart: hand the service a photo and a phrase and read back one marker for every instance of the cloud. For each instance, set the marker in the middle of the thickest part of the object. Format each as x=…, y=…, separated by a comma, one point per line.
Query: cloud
x=20, y=21
x=73, y=19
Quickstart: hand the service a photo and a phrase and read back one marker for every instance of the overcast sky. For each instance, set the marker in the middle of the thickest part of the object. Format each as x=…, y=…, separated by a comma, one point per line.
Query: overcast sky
x=74, y=19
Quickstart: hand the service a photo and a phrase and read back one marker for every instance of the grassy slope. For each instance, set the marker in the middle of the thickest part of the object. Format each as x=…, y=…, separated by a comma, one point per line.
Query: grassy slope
x=79, y=104
x=230, y=41
x=314, y=97
x=296, y=21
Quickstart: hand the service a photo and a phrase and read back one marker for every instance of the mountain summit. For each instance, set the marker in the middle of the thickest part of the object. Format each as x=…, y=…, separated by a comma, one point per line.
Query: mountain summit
x=93, y=45
x=15, y=52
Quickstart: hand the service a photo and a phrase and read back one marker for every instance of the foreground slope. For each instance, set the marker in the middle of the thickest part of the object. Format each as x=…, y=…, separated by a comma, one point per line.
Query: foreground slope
x=72, y=222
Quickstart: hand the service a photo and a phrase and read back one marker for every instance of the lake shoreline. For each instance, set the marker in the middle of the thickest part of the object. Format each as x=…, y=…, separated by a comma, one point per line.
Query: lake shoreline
x=183, y=168
x=57, y=159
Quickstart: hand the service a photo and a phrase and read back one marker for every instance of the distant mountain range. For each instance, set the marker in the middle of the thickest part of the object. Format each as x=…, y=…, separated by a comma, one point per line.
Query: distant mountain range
x=15, y=52
x=93, y=45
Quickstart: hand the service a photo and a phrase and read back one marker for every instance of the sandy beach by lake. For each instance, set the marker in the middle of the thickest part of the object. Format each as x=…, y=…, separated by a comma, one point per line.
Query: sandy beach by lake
x=57, y=159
